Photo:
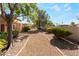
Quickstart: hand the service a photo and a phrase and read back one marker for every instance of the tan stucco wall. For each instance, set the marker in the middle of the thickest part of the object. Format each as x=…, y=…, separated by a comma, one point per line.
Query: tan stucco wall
x=3, y=22
x=17, y=24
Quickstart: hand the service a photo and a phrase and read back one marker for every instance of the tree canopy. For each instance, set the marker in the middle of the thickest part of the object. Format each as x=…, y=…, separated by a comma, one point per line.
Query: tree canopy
x=13, y=10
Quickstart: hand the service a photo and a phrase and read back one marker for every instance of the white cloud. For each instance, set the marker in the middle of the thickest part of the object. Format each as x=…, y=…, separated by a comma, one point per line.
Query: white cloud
x=66, y=5
x=51, y=17
x=68, y=8
x=77, y=14
x=56, y=8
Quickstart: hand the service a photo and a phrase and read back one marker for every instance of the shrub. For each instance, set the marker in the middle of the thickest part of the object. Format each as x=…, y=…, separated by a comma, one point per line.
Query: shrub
x=2, y=42
x=25, y=29
x=61, y=32
x=49, y=30
x=15, y=33
x=3, y=35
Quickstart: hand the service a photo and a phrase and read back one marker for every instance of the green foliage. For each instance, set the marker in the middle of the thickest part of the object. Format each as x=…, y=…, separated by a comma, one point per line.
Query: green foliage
x=49, y=30
x=25, y=29
x=61, y=32
x=15, y=33
x=3, y=35
x=49, y=23
x=41, y=19
x=25, y=9
x=2, y=42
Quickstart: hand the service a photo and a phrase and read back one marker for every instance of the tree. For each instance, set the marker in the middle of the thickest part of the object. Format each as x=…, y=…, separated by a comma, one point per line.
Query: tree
x=49, y=23
x=34, y=16
x=9, y=11
x=72, y=23
x=42, y=19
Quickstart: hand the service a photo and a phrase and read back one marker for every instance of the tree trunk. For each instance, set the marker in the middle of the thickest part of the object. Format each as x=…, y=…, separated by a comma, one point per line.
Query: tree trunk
x=9, y=38
x=39, y=25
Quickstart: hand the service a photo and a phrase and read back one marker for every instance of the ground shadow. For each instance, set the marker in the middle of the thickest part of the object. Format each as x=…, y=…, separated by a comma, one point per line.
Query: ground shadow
x=34, y=31
x=61, y=44
x=21, y=38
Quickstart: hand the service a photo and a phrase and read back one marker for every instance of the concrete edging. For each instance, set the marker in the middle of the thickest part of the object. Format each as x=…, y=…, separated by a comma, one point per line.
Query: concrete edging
x=23, y=46
x=56, y=47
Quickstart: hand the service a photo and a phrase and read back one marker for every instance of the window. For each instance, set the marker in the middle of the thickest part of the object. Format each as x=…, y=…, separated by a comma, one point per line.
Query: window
x=2, y=27
x=13, y=27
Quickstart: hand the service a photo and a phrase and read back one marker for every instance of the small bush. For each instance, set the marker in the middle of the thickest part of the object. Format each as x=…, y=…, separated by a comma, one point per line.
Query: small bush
x=61, y=32
x=49, y=30
x=15, y=33
x=25, y=29
x=3, y=35
x=2, y=42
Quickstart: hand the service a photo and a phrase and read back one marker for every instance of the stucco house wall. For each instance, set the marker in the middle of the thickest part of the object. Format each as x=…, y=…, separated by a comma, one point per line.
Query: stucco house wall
x=17, y=25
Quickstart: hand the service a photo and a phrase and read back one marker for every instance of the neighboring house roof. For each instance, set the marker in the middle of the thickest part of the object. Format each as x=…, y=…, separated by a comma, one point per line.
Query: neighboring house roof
x=26, y=22
x=17, y=21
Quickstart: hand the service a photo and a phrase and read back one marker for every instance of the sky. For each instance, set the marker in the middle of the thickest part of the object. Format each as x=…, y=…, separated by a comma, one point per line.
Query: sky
x=61, y=13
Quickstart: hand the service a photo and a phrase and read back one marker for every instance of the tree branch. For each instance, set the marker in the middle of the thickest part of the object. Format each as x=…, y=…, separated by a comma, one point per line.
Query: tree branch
x=12, y=9
x=2, y=11
x=9, y=6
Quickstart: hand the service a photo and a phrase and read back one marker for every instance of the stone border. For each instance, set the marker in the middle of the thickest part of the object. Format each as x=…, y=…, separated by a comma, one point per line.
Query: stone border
x=56, y=47
x=23, y=46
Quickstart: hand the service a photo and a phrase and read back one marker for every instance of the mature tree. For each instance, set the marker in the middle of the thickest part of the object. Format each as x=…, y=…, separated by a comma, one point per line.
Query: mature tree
x=49, y=23
x=72, y=23
x=34, y=16
x=9, y=11
x=42, y=19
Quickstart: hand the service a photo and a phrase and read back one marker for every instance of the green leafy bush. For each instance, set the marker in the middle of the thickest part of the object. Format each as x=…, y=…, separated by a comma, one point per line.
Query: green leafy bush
x=61, y=32
x=49, y=30
x=2, y=42
x=3, y=35
x=15, y=33
x=25, y=29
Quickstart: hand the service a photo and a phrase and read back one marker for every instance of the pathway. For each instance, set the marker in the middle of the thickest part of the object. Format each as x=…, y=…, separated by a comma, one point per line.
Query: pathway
x=39, y=45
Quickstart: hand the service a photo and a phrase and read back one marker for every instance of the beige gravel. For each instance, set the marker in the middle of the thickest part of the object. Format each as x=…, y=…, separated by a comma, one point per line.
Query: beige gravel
x=13, y=50
x=39, y=45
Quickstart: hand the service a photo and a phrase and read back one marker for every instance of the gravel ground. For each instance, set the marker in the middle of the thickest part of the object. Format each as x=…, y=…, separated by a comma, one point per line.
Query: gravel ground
x=39, y=45
x=16, y=46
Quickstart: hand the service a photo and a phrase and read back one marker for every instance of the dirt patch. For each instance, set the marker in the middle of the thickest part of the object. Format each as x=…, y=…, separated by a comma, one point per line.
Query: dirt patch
x=61, y=44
